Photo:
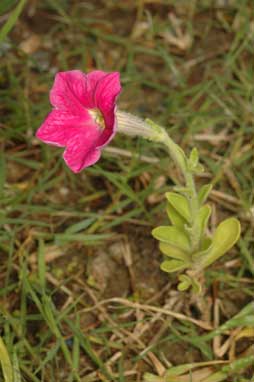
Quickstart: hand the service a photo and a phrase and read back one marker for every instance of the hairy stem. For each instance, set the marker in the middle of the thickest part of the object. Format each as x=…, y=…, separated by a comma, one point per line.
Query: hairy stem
x=178, y=156
x=135, y=126
x=194, y=208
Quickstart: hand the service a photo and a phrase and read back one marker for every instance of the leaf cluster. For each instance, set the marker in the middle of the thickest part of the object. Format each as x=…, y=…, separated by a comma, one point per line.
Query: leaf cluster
x=175, y=240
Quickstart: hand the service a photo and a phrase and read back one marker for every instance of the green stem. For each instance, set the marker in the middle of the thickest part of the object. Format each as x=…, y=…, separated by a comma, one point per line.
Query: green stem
x=179, y=158
x=194, y=208
x=176, y=153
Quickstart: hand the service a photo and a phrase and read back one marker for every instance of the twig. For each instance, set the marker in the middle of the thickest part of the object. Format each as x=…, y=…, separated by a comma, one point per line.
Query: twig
x=135, y=305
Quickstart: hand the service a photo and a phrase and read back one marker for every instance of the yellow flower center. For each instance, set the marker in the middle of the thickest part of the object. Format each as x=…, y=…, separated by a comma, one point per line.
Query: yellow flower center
x=97, y=117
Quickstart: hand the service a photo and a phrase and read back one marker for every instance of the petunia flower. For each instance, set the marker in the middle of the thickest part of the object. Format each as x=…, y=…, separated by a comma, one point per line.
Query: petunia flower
x=83, y=119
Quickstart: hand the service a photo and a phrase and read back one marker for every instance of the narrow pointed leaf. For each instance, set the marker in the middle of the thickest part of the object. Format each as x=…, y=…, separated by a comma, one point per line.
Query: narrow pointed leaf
x=218, y=376
x=203, y=217
x=181, y=369
x=198, y=169
x=170, y=266
x=193, y=162
x=182, y=190
x=173, y=236
x=173, y=251
x=194, y=157
x=180, y=204
x=204, y=192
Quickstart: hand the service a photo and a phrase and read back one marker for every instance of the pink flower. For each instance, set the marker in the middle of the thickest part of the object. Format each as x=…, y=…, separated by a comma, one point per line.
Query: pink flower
x=83, y=119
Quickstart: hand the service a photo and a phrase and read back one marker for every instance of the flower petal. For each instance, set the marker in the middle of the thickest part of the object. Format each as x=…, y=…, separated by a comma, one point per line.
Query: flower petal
x=106, y=91
x=69, y=91
x=81, y=149
x=60, y=126
x=73, y=91
x=109, y=132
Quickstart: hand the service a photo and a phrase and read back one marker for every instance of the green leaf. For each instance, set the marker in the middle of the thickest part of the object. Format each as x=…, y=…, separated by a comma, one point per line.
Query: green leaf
x=205, y=243
x=185, y=283
x=173, y=251
x=174, y=217
x=196, y=286
x=194, y=158
x=203, y=217
x=80, y=226
x=182, y=190
x=237, y=366
x=170, y=266
x=193, y=162
x=225, y=236
x=180, y=204
x=173, y=236
x=198, y=169
x=204, y=192
x=62, y=238
x=179, y=370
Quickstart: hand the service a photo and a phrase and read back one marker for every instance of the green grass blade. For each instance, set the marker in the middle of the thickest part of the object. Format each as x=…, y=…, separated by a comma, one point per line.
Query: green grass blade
x=11, y=20
x=5, y=362
x=16, y=369
x=2, y=173
x=42, y=265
